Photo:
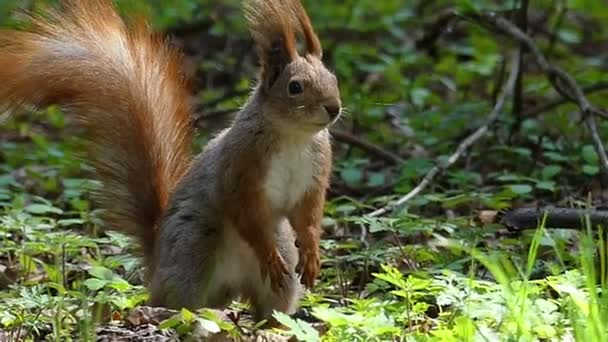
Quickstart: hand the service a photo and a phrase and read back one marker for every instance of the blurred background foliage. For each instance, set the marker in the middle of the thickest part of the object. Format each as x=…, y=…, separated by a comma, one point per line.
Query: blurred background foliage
x=413, y=97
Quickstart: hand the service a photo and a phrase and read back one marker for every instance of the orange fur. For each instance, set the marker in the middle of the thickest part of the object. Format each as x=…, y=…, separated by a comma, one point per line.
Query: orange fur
x=243, y=186
x=306, y=222
x=273, y=25
x=306, y=219
x=87, y=59
x=274, y=20
x=270, y=24
x=313, y=45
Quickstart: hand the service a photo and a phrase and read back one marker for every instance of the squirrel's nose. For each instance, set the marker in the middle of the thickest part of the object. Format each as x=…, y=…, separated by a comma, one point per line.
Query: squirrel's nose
x=333, y=111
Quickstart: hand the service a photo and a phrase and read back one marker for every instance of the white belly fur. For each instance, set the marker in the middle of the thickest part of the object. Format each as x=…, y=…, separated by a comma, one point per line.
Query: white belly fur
x=289, y=176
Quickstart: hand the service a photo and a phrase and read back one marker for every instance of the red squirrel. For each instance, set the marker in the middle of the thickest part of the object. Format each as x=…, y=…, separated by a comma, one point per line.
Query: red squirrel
x=217, y=226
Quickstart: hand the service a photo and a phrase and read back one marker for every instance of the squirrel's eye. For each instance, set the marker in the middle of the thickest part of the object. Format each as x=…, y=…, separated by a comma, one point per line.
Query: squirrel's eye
x=295, y=88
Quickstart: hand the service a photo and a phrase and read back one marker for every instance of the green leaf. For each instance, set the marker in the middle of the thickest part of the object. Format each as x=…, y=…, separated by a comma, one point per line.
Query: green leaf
x=101, y=273
x=352, y=175
x=545, y=331
x=591, y=170
x=546, y=185
x=260, y=324
x=589, y=155
x=522, y=151
x=95, y=284
x=508, y=178
x=521, y=189
x=569, y=36
x=332, y=316
x=419, y=96
x=58, y=287
x=212, y=316
x=187, y=315
x=171, y=322
x=209, y=325
x=7, y=180
x=556, y=157
x=376, y=179
x=119, y=285
x=466, y=6
x=42, y=209
x=303, y=331
x=70, y=222
x=550, y=171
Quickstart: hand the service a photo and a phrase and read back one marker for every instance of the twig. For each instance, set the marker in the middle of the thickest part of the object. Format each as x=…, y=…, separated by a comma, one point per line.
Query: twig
x=464, y=145
x=522, y=23
x=376, y=150
x=558, y=23
x=597, y=141
x=562, y=82
x=558, y=101
x=521, y=18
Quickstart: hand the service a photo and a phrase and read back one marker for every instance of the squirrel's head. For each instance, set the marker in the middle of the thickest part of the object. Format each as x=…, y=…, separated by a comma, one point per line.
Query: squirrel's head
x=298, y=91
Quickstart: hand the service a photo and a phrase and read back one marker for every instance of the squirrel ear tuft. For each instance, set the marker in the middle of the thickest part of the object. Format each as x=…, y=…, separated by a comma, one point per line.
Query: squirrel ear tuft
x=313, y=44
x=274, y=25
x=273, y=34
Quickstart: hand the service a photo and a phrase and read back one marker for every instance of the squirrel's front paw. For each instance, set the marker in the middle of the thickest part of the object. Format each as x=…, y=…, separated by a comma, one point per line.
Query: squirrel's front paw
x=309, y=266
x=276, y=267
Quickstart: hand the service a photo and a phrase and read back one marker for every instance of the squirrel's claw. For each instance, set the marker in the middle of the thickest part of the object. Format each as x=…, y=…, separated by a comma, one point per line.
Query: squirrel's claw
x=309, y=266
x=276, y=268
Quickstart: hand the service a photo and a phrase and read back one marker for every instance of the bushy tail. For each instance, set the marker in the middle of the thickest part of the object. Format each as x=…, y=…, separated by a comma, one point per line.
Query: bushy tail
x=124, y=84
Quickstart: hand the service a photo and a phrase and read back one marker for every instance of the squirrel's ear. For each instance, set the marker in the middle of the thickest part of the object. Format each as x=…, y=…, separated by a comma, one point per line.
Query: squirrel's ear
x=274, y=61
x=313, y=44
x=273, y=35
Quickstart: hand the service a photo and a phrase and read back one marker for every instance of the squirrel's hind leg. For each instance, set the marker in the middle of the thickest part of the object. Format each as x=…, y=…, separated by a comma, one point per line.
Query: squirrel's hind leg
x=262, y=298
x=189, y=272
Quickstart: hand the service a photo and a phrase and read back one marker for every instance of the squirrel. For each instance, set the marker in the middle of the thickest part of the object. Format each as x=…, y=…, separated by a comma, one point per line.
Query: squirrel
x=242, y=219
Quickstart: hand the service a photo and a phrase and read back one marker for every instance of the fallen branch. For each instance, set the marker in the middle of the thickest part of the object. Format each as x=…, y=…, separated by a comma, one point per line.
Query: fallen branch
x=373, y=149
x=464, y=145
x=567, y=218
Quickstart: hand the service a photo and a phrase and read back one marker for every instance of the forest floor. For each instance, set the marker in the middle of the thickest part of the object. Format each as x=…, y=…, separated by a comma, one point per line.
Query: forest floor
x=448, y=102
